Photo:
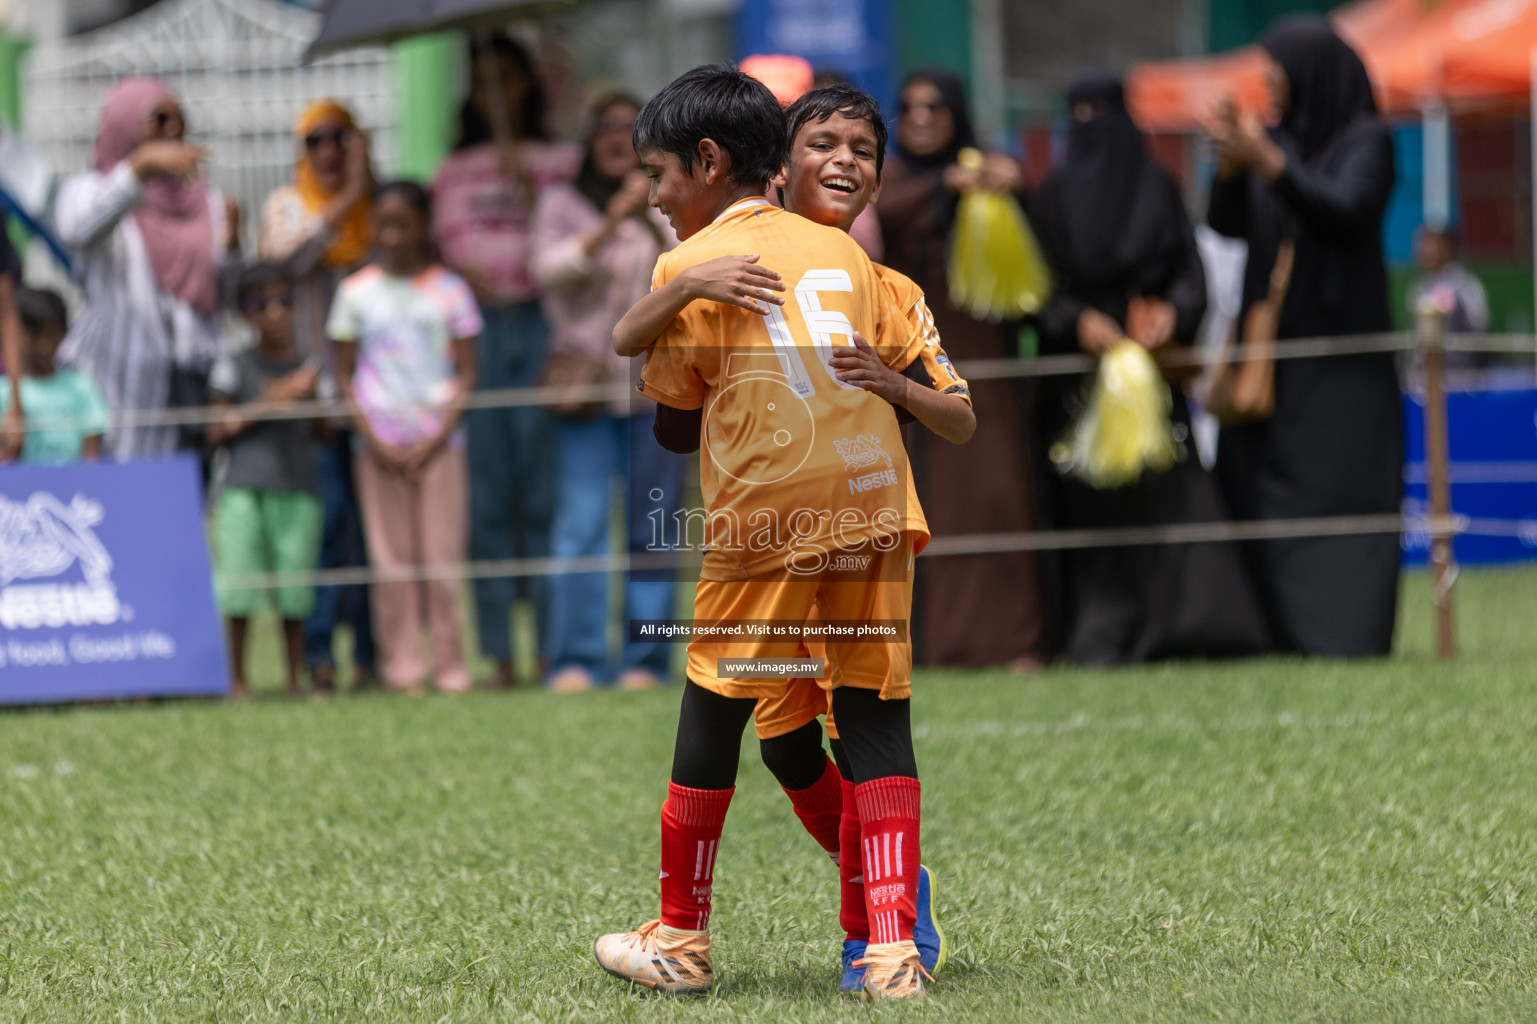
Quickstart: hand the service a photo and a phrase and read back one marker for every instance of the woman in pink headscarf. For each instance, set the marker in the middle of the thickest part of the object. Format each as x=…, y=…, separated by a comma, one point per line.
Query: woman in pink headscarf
x=151, y=237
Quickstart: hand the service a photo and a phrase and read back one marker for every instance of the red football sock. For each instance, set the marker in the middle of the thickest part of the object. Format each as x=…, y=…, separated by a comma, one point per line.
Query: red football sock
x=819, y=806
x=852, y=915
x=691, y=827
x=888, y=824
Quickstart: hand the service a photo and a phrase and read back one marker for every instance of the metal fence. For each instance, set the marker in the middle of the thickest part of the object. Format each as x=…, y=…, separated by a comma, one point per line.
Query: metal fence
x=235, y=66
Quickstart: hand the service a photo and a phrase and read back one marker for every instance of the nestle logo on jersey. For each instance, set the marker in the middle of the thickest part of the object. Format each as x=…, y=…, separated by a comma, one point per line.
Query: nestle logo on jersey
x=870, y=481
x=861, y=452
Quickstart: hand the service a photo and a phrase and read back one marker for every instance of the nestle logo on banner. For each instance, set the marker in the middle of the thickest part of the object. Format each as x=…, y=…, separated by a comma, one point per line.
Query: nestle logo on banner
x=42, y=539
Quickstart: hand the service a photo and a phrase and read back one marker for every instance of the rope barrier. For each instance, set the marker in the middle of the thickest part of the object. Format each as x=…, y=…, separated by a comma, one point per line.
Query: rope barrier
x=971, y=370
x=941, y=547
x=1441, y=527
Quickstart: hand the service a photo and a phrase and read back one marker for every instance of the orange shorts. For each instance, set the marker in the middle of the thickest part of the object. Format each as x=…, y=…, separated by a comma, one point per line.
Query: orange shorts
x=884, y=591
x=801, y=702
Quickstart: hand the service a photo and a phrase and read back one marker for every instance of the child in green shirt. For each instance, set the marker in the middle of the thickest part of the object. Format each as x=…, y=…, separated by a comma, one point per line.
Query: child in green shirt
x=66, y=414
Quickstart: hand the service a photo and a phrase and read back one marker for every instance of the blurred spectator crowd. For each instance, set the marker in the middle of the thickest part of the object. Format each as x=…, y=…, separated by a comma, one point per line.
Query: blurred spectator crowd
x=510, y=270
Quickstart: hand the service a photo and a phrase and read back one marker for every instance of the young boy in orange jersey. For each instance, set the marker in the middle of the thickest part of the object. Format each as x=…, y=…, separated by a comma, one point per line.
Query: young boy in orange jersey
x=763, y=394
x=837, y=146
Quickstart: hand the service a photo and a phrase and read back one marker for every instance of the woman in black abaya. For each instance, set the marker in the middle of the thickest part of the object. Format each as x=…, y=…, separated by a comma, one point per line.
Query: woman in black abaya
x=1114, y=229
x=969, y=610
x=1334, y=445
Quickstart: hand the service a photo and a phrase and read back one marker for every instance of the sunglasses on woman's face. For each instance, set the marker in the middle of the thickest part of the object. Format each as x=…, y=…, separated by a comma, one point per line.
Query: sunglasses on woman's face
x=164, y=118
x=317, y=140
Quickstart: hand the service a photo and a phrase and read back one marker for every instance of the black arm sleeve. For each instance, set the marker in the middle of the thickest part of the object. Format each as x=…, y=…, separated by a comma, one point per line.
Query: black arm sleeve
x=919, y=375
x=1345, y=201
x=677, y=430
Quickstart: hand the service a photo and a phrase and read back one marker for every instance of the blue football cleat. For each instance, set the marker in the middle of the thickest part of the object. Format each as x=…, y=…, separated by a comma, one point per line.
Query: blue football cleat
x=930, y=941
x=932, y=949
x=853, y=977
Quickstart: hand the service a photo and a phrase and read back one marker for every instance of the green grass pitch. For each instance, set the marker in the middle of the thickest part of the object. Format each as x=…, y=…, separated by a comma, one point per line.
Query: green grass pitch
x=1272, y=841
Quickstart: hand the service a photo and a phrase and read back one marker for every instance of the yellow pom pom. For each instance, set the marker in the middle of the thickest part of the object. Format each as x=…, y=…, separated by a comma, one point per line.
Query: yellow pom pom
x=1124, y=429
x=997, y=271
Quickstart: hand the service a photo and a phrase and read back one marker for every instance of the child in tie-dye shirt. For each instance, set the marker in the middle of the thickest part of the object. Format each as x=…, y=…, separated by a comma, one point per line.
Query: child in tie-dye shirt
x=405, y=330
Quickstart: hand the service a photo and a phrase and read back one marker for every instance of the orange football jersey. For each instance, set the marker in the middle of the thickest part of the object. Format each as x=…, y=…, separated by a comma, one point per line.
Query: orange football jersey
x=907, y=300
x=793, y=463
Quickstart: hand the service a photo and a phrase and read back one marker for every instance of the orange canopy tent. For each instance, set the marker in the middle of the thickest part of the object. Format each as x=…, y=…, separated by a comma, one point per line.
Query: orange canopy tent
x=1424, y=56
x=1488, y=50
x=1420, y=53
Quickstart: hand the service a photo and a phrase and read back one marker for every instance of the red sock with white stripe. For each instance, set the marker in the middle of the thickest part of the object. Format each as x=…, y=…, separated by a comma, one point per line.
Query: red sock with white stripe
x=691, y=825
x=853, y=917
x=888, y=825
x=819, y=807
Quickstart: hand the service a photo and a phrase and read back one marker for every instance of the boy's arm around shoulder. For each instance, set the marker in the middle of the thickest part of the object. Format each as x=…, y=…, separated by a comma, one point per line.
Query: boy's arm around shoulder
x=734, y=280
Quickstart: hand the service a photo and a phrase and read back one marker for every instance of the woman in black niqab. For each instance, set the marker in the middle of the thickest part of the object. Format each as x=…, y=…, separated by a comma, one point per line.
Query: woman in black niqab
x=1113, y=225
x=1114, y=206
x=1333, y=446
x=1327, y=88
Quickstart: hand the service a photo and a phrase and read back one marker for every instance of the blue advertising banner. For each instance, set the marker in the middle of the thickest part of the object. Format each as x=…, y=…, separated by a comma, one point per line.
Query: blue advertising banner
x=105, y=588
x=1492, y=436
x=851, y=37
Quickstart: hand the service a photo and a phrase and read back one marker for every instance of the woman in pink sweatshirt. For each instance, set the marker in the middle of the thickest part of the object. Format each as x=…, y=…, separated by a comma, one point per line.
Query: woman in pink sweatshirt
x=595, y=242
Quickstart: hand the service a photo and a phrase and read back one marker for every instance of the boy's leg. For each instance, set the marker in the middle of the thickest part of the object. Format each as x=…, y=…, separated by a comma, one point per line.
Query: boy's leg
x=877, y=736
x=237, y=632
x=293, y=642
x=672, y=955
x=334, y=468
x=292, y=520
x=870, y=697
x=704, y=765
x=389, y=506
x=853, y=916
x=790, y=742
x=238, y=550
x=444, y=525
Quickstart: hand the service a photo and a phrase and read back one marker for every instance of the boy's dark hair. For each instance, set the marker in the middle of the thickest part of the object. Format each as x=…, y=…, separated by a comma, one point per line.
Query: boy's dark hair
x=412, y=192
x=528, y=122
x=842, y=99
x=257, y=277
x=38, y=308
x=717, y=102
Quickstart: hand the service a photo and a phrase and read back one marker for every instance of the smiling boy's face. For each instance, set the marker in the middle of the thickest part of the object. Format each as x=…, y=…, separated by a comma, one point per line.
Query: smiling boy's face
x=831, y=176
x=681, y=193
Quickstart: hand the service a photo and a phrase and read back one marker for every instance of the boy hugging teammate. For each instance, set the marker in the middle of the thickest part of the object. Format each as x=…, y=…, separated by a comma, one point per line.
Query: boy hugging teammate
x=790, y=404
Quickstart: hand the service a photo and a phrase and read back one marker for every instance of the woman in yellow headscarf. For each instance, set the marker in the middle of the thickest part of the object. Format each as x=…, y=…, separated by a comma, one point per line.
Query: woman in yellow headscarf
x=320, y=227
x=322, y=219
